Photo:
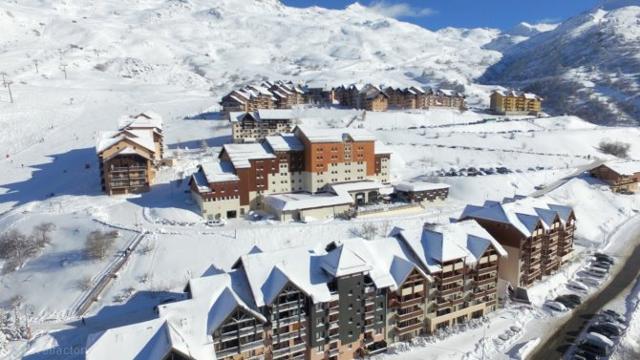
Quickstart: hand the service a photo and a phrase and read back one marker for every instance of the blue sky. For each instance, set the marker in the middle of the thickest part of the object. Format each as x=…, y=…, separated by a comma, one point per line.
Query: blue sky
x=436, y=14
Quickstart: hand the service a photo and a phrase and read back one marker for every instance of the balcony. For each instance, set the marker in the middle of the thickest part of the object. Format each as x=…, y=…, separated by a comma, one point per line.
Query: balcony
x=121, y=169
x=406, y=303
x=409, y=328
x=410, y=315
x=487, y=269
x=452, y=278
x=450, y=291
x=289, y=335
x=486, y=281
x=285, y=352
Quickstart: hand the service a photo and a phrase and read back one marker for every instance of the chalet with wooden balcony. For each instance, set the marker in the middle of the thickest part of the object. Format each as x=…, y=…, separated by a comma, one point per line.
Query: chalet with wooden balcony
x=538, y=236
x=444, y=98
x=462, y=258
x=621, y=176
x=128, y=157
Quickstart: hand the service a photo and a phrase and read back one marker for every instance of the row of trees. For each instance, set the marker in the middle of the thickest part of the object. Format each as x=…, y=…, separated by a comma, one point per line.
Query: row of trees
x=16, y=247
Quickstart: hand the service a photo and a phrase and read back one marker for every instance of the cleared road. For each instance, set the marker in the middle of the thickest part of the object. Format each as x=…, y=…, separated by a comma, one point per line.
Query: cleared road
x=560, y=341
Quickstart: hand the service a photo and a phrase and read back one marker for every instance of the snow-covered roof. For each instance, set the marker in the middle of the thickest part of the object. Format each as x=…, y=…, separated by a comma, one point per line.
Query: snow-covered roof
x=344, y=261
x=515, y=93
x=437, y=244
x=151, y=339
x=218, y=171
x=263, y=115
x=525, y=214
x=389, y=260
x=213, y=299
x=276, y=114
x=284, y=142
x=241, y=154
x=107, y=139
x=267, y=273
x=381, y=148
x=335, y=135
x=302, y=201
x=144, y=120
x=624, y=168
x=348, y=187
x=419, y=186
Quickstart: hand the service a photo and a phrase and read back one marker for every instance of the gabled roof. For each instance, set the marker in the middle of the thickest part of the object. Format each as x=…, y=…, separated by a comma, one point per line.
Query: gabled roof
x=143, y=138
x=624, y=168
x=217, y=171
x=144, y=120
x=437, y=244
x=297, y=265
x=344, y=261
x=523, y=213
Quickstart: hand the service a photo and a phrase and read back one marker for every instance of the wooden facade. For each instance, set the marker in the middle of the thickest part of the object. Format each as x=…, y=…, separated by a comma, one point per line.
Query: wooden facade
x=513, y=102
x=618, y=181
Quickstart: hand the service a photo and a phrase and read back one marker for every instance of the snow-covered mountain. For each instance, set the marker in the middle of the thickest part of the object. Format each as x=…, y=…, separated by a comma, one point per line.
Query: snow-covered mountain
x=518, y=34
x=220, y=44
x=588, y=65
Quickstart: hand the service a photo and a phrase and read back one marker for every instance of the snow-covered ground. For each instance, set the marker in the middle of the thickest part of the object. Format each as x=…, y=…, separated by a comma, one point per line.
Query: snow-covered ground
x=177, y=58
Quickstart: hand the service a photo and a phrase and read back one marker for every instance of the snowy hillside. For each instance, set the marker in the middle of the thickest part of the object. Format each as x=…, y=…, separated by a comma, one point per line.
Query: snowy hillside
x=588, y=65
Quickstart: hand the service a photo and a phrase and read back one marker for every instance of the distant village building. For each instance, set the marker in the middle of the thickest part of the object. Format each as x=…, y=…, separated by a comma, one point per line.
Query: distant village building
x=621, y=176
x=421, y=192
x=346, y=301
x=515, y=102
x=266, y=95
x=537, y=236
x=286, y=95
x=305, y=160
x=128, y=156
x=257, y=125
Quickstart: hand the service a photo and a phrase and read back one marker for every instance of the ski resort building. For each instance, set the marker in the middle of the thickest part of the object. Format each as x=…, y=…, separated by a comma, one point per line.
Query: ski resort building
x=421, y=192
x=537, y=236
x=128, y=156
x=303, y=161
x=515, y=103
x=266, y=95
x=621, y=176
x=347, y=301
x=378, y=98
x=257, y=125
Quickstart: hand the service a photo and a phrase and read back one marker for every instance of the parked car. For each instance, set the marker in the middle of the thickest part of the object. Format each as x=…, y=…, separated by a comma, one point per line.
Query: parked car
x=585, y=355
x=612, y=322
x=610, y=332
x=601, y=265
x=615, y=315
x=566, y=302
x=556, y=306
x=597, y=270
x=215, y=222
x=573, y=298
x=604, y=257
x=597, y=344
x=589, y=281
x=596, y=273
x=502, y=170
x=577, y=286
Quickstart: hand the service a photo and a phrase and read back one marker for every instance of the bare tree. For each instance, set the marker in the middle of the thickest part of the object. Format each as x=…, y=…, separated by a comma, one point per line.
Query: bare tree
x=99, y=243
x=16, y=248
x=42, y=234
x=368, y=231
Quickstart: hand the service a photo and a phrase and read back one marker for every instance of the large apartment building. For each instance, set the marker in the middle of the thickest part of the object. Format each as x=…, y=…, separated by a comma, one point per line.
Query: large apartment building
x=537, y=235
x=380, y=98
x=515, y=102
x=303, y=161
x=347, y=301
x=621, y=176
x=257, y=125
x=128, y=156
